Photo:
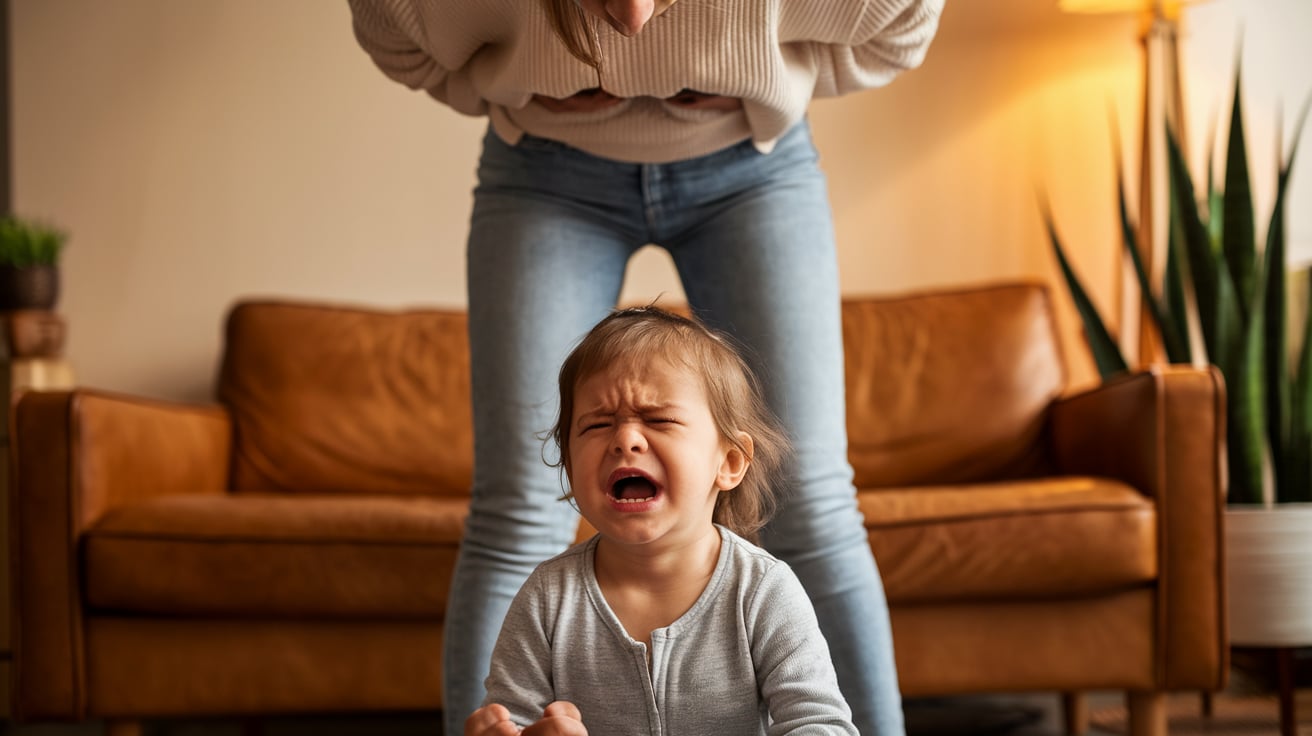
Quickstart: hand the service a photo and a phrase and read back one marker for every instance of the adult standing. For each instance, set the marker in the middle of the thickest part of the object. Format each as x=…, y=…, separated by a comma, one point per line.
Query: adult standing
x=619, y=123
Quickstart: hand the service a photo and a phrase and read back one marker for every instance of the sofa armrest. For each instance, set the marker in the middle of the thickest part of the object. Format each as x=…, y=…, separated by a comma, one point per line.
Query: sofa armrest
x=75, y=455
x=1162, y=430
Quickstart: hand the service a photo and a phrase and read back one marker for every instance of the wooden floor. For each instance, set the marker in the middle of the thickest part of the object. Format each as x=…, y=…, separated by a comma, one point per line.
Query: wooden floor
x=1012, y=715
x=1252, y=714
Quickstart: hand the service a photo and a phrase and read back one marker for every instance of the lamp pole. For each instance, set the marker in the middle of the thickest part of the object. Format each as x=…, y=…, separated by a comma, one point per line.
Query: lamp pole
x=1163, y=107
x=6, y=198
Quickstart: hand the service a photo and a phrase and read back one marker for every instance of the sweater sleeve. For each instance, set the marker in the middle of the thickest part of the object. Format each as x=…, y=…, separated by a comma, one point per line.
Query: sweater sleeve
x=886, y=38
x=394, y=35
x=794, y=671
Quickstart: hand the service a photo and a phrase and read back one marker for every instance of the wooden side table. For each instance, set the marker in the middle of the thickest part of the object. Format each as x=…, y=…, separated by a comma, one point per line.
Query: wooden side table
x=18, y=374
x=1268, y=559
x=1286, y=686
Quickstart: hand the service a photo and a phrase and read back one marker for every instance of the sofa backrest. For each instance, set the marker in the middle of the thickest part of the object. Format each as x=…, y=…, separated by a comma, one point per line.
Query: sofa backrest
x=942, y=387
x=335, y=399
x=950, y=386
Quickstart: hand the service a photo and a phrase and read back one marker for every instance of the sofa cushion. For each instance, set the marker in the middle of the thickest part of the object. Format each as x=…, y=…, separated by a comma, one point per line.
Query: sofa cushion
x=950, y=386
x=336, y=399
x=252, y=555
x=1053, y=537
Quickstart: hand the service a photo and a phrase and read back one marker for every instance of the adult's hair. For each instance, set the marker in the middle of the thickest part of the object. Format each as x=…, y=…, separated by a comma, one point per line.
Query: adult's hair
x=643, y=335
x=574, y=28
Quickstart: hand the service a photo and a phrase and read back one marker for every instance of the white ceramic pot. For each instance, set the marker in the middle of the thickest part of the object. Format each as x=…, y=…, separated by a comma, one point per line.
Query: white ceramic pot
x=1269, y=575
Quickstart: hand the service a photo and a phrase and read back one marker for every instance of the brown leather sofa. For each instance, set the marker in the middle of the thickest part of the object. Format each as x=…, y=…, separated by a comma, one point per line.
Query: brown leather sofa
x=288, y=548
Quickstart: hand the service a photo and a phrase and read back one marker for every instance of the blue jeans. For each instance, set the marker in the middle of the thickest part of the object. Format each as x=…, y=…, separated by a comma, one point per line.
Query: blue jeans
x=752, y=238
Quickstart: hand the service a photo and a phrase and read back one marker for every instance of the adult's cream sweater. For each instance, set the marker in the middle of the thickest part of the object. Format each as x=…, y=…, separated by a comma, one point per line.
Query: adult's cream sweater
x=489, y=57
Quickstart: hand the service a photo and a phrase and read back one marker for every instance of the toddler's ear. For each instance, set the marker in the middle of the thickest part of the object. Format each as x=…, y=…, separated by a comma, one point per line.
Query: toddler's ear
x=735, y=463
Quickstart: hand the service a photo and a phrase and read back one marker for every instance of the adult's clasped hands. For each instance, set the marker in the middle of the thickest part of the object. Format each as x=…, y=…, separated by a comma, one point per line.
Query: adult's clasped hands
x=561, y=718
x=591, y=100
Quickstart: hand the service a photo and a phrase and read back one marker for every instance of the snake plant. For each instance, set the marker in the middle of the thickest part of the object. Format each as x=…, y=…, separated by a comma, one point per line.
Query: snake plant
x=1238, y=295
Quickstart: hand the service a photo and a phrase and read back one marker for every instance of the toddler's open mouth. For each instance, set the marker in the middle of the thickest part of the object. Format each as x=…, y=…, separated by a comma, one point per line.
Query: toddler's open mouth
x=632, y=487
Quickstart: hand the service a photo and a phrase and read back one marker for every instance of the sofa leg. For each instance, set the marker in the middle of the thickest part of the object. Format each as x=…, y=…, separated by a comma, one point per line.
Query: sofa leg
x=1075, y=713
x=1147, y=712
x=117, y=727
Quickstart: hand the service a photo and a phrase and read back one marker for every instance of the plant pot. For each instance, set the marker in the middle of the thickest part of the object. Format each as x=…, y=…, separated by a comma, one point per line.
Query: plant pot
x=1269, y=567
x=35, y=333
x=28, y=287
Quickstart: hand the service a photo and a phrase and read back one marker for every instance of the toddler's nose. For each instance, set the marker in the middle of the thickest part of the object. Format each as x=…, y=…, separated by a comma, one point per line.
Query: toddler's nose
x=629, y=439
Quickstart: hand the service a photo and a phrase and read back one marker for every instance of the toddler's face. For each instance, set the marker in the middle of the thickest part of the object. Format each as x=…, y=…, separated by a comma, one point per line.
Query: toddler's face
x=646, y=459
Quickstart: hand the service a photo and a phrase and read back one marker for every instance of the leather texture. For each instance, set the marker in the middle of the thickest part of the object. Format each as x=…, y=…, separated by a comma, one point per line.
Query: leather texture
x=1028, y=539
x=246, y=555
x=289, y=547
x=1103, y=642
x=340, y=400
x=139, y=666
x=950, y=387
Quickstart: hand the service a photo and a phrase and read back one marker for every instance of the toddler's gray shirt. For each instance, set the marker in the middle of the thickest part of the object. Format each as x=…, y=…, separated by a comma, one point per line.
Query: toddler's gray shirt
x=747, y=659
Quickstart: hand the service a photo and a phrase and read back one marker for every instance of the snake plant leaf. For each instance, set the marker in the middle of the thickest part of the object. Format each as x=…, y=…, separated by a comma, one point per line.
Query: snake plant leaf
x=1222, y=323
x=1214, y=217
x=1173, y=338
x=1202, y=270
x=1238, y=241
x=1106, y=353
x=1246, y=394
x=1287, y=452
x=1275, y=339
x=1238, y=354
x=1211, y=157
x=1174, y=292
x=1296, y=481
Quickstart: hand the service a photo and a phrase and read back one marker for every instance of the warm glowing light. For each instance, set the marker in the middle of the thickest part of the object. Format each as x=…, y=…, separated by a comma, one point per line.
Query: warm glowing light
x=1170, y=8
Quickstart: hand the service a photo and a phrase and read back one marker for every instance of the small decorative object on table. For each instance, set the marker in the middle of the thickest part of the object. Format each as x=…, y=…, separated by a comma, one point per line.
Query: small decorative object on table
x=29, y=287
x=29, y=264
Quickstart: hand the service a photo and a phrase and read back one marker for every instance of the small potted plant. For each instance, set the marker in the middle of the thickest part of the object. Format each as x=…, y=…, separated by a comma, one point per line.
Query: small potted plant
x=29, y=264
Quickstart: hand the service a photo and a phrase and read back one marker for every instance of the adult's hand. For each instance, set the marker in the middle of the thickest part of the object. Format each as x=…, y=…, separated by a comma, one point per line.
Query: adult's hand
x=702, y=101
x=596, y=98
x=585, y=101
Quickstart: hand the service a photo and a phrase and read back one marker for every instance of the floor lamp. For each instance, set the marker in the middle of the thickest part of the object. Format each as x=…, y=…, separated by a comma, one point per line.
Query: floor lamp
x=1163, y=105
x=6, y=198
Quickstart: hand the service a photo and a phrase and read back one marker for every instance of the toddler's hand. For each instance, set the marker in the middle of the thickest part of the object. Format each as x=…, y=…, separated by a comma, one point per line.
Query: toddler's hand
x=561, y=718
x=490, y=720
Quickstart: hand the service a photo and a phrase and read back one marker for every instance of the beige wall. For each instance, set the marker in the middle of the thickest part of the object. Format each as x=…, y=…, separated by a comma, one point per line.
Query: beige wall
x=200, y=152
